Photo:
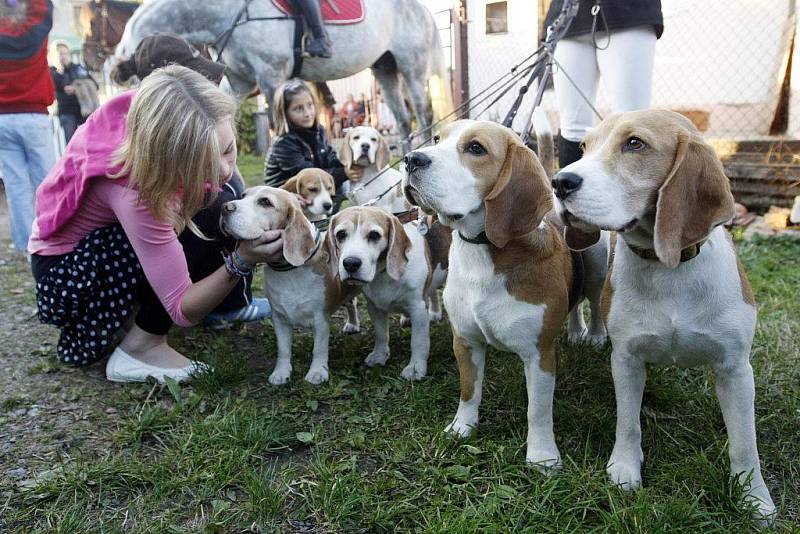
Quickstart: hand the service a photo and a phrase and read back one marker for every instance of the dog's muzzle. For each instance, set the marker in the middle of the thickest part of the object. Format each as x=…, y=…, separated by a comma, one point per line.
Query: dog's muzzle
x=566, y=183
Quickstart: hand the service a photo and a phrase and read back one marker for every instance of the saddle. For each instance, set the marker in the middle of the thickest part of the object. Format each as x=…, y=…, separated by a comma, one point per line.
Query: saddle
x=340, y=12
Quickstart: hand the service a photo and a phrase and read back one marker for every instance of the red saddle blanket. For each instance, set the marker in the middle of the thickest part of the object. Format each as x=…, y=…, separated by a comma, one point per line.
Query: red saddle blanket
x=333, y=11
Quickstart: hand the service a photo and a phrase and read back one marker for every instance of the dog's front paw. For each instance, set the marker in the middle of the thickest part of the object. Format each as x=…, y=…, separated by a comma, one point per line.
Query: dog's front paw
x=351, y=328
x=577, y=336
x=280, y=376
x=625, y=473
x=765, y=512
x=317, y=376
x=545, y=460
x=435, y=316
x=596, y=340
x=415, y=371
x=460, y=428
x=376, y=358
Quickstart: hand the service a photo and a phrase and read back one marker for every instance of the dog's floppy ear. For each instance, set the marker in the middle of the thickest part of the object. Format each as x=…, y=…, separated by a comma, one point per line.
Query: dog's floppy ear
x=345, y=153
x=382, y=154
x=332, y=247
x=695, y=197
x=298, y=239
x=520, y=199
x=399, y=245
x=292, y=185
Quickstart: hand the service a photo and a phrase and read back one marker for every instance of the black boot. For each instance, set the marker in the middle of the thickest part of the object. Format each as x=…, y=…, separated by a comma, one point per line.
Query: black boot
x=319, y=45
x=568, y=152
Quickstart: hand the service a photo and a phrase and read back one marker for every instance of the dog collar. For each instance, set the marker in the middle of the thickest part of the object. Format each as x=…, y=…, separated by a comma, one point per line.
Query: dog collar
x=286, y=266
x=479, y=239
x=407, y=216
x=687, y=254
x=322, y=225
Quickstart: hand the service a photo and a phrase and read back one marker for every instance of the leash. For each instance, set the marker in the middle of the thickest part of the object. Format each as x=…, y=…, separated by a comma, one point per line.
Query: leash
x=597, y=9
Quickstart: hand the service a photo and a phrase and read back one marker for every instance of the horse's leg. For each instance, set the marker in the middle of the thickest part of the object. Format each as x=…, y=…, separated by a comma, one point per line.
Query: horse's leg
x=415, y=81
x=386, y=74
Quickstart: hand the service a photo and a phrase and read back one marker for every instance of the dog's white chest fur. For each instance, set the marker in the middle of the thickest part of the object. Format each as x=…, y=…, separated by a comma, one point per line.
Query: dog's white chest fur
x=687, y=316
x=297, y=295
x=481, y=308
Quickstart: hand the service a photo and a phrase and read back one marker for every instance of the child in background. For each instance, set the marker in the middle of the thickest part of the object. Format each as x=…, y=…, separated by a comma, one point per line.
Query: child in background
x=302, y=142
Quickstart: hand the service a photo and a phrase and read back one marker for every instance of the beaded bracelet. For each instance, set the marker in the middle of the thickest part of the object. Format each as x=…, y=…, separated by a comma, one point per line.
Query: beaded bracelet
x=241, y=270
x=240, y=262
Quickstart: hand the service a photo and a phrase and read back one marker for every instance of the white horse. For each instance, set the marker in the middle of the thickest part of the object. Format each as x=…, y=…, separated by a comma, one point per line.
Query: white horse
x=398, y=40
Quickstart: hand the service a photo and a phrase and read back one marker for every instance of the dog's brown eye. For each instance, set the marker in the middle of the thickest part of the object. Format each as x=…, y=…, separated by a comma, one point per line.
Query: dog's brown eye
x=373, y=236
x=313, y=190
x=355, y=137
x=341, y=235
x=633, y=144
x=374, y=140
x=263, y=201
x=475, y=148
x=436, y=139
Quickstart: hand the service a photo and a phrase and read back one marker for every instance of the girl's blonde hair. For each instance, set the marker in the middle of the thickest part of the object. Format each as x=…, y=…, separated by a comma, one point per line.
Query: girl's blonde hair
x=283, y=97
x=171, y=152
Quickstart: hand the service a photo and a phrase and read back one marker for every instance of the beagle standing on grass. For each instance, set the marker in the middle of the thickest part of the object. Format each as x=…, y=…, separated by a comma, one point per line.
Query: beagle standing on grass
x=364, y=146
x=510, y=283
x=391, y=263
x=302, y=291
x=676, y=294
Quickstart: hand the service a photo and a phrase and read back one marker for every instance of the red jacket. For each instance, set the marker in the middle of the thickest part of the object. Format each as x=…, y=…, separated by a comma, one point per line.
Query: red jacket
x=25, y=82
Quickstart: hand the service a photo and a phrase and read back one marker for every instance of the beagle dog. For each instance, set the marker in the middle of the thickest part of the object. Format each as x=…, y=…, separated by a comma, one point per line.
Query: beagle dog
x=510, y=281
x=302, y=291
x=365, y=147
x=676, y=293
x=317, y=188
x=391, y=263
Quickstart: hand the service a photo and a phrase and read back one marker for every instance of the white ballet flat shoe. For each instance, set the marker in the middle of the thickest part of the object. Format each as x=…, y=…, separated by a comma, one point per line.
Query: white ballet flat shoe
x=122, y=367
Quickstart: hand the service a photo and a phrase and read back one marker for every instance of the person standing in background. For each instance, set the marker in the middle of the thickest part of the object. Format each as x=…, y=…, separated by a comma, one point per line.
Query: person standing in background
x=26, y=89
x=612, y=39
x=69, y=107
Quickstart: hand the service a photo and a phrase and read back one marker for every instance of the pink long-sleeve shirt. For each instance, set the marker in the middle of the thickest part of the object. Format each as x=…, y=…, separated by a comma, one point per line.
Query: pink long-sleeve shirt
x=77, y=197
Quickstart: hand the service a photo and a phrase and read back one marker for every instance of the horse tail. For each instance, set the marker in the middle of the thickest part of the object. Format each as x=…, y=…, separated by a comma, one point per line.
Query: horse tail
x=439, y=83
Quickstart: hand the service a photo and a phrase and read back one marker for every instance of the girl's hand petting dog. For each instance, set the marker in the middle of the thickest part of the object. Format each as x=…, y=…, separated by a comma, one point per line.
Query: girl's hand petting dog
x=264, y=249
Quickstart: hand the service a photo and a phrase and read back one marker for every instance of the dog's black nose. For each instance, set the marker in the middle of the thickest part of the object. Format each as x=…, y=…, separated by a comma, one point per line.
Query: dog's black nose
x=351, y=264
x=364, y=147
x=565, y=183
x=416, y=160
x=326, y=206
x=229, y=207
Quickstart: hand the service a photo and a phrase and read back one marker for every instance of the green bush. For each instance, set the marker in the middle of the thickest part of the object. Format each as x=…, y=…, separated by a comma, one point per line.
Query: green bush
x=246, y=127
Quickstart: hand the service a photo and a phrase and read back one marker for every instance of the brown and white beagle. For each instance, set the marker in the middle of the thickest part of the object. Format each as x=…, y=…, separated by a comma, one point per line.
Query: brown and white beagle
x=676, y=293
x=510, y=271
x=391, y=263
x=303, y=292
x=317, y=188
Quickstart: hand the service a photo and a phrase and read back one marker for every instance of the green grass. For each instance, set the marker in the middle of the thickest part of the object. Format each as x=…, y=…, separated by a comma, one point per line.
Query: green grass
x=252, y=169
x=366, y=452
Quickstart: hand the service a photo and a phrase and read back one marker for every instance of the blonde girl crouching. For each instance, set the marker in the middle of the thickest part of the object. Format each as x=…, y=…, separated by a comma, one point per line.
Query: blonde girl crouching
x=107, y=217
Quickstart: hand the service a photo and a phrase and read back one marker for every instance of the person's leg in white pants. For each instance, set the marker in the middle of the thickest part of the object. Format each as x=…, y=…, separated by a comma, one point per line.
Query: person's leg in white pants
x=626, y=68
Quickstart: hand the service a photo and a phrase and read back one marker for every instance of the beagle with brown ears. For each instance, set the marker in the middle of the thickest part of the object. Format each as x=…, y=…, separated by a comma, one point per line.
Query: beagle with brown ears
x=365, y=147
x=303, y=291
x=510, y=283
x=676, y=293
x=391, y=263
x=317, y=188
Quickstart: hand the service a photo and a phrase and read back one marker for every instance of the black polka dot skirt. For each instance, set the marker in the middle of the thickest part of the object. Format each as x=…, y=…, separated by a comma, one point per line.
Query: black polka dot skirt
x=89, y=294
